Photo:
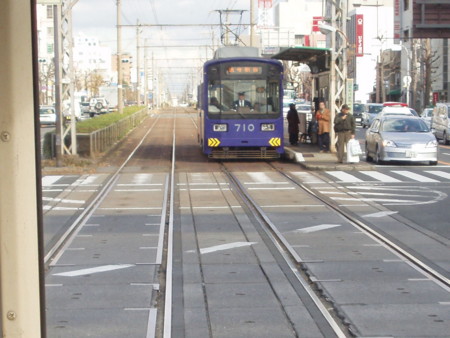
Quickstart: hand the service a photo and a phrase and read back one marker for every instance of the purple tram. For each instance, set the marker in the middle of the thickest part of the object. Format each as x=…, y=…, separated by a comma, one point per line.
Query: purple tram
x=240, y=108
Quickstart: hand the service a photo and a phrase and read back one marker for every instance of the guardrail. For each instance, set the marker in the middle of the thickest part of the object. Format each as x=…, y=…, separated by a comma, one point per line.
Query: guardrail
x=100, y=141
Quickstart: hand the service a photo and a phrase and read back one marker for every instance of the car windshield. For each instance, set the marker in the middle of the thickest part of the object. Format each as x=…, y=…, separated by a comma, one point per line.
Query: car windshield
x=404, y=126
x=375, y=109
x=304, y=107
x=358, y=108
x=46, y=111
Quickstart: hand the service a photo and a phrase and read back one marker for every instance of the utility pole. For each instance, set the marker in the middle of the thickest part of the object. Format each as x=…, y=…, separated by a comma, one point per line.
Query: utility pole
x=59, y=142
x=252, y=21
x=138, y=63
x=337, y=14
x=145, y=76
x=119, y=58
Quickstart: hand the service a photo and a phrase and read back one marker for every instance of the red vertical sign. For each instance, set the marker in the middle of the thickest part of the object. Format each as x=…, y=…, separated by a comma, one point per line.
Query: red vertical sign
x=435, y=98
x=264, y=3
x=316, y=21
x=359, y=35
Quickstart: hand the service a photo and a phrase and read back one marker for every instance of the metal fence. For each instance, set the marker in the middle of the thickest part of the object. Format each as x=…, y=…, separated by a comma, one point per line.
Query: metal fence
x=102, y=140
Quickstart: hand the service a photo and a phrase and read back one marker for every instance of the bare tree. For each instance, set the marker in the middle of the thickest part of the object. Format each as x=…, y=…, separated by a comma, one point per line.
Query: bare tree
x=428, y=60
x=299, y=78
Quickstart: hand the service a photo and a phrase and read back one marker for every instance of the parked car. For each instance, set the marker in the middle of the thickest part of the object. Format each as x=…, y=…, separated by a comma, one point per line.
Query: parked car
x=98, y=105
x=400, y=138
x=358, y=110
x=372, y=110
x=426, y=115
x=47, y=115
x=440, y=122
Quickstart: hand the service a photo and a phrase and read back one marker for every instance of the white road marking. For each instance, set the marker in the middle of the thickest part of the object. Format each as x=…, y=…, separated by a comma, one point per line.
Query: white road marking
x=92, y=225
x=90, y=180
x=51, y=285
x=256, y=183
x=373, y=200
x=293, y=206
x=344, y=177
x=84, y=235
x=49, y=180
x=419, y=279
x=142, y=178
x=260, y=177
x=49, y=207
x=381, y=214
x=51, y=190
x=136, y=190
x=223, y=247
x=89, y=271
x=414, y=176
x=140, y=185
x=131, y=208
x=380, y=194
x=307, y=177
x=317, y=228
x=148, y=248
x=380, y=177
x=49, y=199
x=275, y=188
x=151, y=326
x=75, y=249
x=439, y=173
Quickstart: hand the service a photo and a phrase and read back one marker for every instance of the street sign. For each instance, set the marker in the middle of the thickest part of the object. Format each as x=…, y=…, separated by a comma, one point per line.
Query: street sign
x=349, y=84
x=406, y=80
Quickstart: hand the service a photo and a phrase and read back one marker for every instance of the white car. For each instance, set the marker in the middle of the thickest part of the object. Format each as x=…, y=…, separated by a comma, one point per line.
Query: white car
x=47, y=115
x=426, y=115
x=395, y=110
x=98, y=105
x=440, y=122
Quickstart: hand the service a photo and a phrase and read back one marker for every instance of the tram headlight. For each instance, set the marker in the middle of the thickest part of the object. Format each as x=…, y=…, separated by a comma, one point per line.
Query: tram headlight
x=267, y=127
x=222, y=127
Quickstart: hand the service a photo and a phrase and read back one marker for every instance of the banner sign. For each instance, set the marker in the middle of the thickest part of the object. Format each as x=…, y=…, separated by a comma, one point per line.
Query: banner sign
x=359, y=35
x=349, y=90
x=397, y=21
x=316, y=21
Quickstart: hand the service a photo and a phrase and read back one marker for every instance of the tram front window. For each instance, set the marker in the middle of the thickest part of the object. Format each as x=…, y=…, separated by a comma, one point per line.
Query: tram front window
x=241, y=97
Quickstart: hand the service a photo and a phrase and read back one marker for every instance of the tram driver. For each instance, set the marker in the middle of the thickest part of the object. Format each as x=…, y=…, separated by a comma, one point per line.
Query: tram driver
x=241, y=102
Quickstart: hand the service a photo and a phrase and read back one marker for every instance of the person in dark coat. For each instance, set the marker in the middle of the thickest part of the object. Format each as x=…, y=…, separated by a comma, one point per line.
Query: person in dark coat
x=293, y=124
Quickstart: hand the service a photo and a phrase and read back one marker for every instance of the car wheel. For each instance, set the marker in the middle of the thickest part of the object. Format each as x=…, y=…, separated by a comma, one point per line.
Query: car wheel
x=378, y=159
x=368, y=157
x=433, y=162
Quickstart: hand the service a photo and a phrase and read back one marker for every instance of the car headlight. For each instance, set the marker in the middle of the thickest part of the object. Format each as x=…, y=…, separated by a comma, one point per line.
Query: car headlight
x=388, y=143
x=432, y=144
x=222, y=127
x=267, y=127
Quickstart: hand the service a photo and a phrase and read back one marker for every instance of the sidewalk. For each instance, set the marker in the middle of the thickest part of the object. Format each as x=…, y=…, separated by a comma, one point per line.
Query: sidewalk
x=308, y=156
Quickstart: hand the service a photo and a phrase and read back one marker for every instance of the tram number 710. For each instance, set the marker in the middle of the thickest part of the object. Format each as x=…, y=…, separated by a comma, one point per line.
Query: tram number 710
x=244, y=127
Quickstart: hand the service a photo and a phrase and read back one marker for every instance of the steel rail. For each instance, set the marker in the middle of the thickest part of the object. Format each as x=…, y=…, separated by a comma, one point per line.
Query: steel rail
x=287, y=253
x=84, y=216
x=169, y=259
x=409, y=257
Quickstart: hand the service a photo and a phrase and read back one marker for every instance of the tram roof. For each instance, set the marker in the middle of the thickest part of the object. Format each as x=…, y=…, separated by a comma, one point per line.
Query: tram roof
x=316, y=58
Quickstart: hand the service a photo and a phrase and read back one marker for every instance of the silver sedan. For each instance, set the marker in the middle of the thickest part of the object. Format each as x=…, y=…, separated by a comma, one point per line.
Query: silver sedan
x=400, y=138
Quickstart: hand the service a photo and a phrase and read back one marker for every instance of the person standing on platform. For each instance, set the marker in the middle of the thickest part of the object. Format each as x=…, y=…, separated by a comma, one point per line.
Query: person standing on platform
x=345, y=128
x=323, y=117
x=293, y=124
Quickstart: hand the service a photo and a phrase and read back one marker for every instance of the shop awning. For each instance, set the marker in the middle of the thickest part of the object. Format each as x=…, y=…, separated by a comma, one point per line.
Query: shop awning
x=318, y=59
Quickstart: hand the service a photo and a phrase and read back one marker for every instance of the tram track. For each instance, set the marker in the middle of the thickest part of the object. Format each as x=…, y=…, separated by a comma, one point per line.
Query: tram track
x=319, y=308
x=92, y=204
x=418, y=263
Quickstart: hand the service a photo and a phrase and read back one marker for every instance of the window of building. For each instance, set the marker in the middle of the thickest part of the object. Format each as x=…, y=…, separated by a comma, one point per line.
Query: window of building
x=50, y=48
x=49, y=11
x=405, y=5
x=50, y=31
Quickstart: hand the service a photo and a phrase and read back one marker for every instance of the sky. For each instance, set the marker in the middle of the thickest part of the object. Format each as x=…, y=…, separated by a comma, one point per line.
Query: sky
x=97, y=18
